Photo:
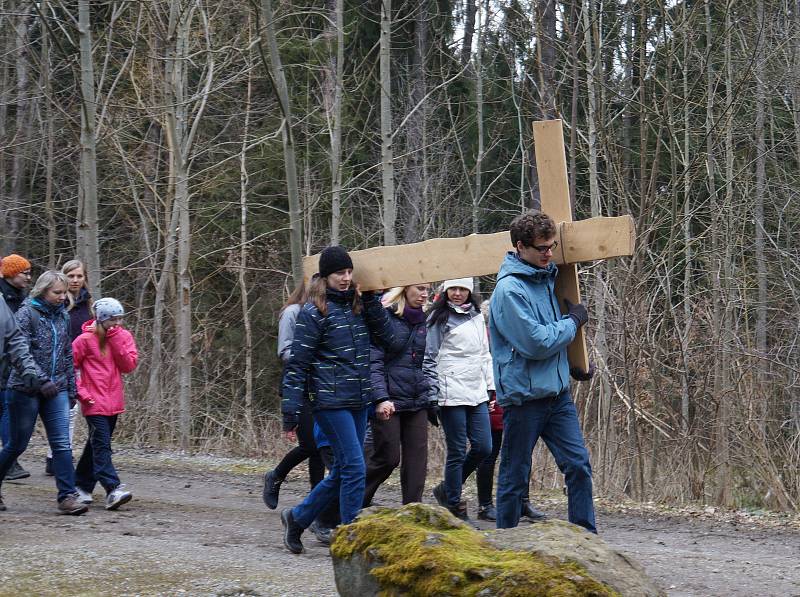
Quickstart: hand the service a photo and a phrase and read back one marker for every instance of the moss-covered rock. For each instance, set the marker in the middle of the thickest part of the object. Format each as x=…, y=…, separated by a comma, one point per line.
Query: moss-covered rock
x=424, y=550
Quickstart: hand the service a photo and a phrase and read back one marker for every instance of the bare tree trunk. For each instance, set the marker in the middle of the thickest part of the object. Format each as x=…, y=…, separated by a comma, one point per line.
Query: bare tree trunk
x=724, y=496
x=387, y=150
x=19, y=166
x=478, y=191
x=88, y=243
x=761, y=162
x=334, y=83
x=287, y=135
x=416, y=129
x=49, y=132
x=469, y=30
x=180, y=140
x=599, y=288
x=248, y=332
x=546, y=50
x=687, y=225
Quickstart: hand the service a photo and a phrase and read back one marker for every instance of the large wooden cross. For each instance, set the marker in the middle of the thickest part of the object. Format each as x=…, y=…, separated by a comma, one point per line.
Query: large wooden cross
x=481, y=254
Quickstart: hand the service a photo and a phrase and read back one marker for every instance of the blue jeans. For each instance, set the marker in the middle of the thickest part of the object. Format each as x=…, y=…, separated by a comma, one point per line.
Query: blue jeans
x=22, y=412
x=345, y=430
x=5, y=432
x=95, y=463
x=462, y=423
x=556, y=421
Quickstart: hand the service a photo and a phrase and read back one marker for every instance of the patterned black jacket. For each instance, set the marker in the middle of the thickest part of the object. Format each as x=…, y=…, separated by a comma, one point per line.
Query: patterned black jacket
x=330, y=355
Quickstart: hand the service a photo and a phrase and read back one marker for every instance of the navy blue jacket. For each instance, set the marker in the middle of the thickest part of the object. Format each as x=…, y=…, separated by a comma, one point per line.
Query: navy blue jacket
x=330, y=354
x=14, y=296
x=79, y=314
x=397, y=370
x=47, y=334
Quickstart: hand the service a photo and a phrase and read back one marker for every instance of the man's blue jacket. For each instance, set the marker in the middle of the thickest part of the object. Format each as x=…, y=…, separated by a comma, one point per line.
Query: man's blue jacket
x=529, y=335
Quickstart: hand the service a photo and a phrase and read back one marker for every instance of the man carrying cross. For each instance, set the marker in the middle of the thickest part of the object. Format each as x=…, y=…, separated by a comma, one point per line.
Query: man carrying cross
x=529, y=338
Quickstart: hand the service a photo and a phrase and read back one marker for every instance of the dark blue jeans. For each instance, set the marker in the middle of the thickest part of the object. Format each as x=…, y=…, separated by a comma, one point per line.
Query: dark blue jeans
x=95, y=464
x=5, y=433
x=345, y=430
x=555, y=420
x=462, y=423
x=22, y=412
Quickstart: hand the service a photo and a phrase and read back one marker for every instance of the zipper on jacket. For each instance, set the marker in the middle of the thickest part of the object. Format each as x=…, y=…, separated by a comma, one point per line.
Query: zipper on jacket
x=55, y=345
x=556, y=315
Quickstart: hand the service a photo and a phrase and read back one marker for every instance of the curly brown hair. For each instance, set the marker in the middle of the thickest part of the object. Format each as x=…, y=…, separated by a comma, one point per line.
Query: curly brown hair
x=529, y=226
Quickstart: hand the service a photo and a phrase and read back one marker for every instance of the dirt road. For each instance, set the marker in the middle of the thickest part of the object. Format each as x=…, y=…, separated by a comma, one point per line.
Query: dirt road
x=197, y=526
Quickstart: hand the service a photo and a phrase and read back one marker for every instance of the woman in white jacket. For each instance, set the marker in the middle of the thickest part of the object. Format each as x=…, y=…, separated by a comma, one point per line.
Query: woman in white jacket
x=457, y=359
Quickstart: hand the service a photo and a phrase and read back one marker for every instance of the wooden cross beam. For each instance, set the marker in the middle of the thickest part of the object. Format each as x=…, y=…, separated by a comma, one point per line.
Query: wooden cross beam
x=481, y=254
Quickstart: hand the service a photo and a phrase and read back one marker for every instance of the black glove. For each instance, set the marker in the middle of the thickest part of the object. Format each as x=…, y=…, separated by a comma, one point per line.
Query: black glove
x=290, y=421
x=433, y=415
x=49, y=389
x=579, y=374
x=32, y=382
x=578, y=313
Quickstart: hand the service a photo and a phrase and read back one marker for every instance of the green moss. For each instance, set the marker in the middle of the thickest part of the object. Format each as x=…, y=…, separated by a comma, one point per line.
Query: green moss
x=425, y=551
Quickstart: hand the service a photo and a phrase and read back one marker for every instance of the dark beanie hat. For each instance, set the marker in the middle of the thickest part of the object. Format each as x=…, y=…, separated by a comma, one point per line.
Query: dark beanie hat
x=334, y=259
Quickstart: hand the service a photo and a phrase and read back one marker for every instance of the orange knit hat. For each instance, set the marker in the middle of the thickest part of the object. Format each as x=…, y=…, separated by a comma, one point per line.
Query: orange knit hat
x=14, y=264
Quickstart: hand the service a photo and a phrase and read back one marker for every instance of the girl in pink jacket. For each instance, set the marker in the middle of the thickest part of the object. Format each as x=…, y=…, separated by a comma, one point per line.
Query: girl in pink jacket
x=102, y=353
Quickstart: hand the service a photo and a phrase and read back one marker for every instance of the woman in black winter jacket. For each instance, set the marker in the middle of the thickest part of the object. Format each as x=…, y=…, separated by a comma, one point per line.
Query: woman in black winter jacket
x=397, y=377
x=329, y=367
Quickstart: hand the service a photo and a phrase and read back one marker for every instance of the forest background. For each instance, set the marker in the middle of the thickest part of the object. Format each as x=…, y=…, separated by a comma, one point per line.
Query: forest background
x=192, y=151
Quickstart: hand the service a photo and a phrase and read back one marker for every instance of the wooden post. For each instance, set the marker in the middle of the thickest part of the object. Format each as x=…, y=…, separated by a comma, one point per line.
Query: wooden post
x=551, y=165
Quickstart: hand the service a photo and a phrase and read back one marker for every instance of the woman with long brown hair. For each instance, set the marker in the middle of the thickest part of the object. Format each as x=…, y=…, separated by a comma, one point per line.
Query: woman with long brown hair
x=330, y=369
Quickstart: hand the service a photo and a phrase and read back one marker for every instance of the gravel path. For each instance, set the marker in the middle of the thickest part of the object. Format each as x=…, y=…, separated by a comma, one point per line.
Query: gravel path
x=197, y=526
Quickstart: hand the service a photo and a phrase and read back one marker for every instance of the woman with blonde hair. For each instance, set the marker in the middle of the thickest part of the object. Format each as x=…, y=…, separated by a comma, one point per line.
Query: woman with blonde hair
x=398, y=378
x=79, y=308
x=44, y=324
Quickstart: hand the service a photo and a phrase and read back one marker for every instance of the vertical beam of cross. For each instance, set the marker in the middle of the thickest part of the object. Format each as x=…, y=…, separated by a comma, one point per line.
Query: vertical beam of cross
x=551, y=165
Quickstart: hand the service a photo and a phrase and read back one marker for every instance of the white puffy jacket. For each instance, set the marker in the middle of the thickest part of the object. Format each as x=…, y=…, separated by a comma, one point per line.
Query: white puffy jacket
x=457, y=358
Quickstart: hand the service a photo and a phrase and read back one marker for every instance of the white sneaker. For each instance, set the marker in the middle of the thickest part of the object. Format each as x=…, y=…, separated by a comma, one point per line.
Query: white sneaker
x=83, y=497
x=118, y=497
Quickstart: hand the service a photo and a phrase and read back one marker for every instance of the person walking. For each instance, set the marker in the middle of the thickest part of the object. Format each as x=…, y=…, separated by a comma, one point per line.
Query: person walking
x=79, y=307
x=16, y=272
x=529, y=338
x=457, y=359
x=484, y=474
x=102, y=354
x=44, y=324
x=330, y=365
x=397, y=376
x=304, y=434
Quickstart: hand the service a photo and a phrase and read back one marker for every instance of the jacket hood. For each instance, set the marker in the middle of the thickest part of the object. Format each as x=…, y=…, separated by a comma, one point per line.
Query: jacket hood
x=8, y=289
x=45, y=307
x=88, y=326
x=514, y=266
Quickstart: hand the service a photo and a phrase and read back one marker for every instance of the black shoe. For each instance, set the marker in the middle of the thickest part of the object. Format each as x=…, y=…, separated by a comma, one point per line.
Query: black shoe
x=16, y=472
x=48, y=467
x=291, y=532
x=323, y=534
x=2, y=505
x=440, y=495
x=272, y=487
x=531, y=513
x=487, y=512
